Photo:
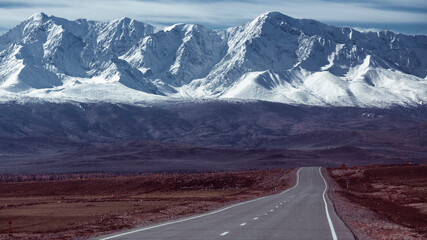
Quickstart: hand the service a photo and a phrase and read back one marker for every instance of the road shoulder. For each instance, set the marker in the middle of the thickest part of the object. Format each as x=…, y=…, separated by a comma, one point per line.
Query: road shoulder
x=362, y=222
x=341, y=228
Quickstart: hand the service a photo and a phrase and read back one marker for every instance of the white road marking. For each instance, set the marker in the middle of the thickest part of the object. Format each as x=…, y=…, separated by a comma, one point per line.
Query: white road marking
x=255, y=218
x=277, y=206
x=281, y=203
x=202, y=215
x=224, y=233
x=265, y=214
x=243, y=224
x=271, y=210
x=331, y=226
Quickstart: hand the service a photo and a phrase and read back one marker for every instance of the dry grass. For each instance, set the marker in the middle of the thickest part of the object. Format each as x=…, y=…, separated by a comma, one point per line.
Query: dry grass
x=397, y=194
x=70, y=209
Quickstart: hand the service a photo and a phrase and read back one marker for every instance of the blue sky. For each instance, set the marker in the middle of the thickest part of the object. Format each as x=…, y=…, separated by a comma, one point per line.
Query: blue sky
x=405, y=16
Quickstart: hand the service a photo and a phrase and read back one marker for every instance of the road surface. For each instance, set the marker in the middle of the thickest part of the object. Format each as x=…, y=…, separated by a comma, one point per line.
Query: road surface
x=302, y=212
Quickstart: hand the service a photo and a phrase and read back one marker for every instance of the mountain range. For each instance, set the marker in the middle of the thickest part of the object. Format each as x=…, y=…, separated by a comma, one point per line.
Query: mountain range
x=212, y=135
x=123, y=95
x=273, y=58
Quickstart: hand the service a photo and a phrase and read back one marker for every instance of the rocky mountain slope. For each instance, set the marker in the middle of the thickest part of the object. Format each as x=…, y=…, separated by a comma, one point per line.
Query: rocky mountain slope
x=75, y=137
x=273, y=58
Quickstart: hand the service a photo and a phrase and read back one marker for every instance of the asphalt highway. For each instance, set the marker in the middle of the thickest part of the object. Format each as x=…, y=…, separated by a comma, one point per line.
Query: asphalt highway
x=302, y=212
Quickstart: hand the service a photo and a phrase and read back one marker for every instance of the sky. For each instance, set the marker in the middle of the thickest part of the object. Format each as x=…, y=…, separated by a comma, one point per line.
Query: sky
x=404, y=16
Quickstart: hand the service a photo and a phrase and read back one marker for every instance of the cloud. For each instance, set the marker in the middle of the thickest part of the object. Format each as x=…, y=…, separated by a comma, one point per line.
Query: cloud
x=16, y=4
x=26, y=4
x=419, y=6
x=220, y=13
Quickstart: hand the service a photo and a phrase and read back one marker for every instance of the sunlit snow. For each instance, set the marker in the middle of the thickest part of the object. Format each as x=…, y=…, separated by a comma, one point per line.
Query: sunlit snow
x=272, y=58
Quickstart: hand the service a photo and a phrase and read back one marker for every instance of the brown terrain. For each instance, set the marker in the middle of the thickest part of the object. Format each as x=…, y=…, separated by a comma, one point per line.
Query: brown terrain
x=204, y=136
x=86, y=205
x=382, y=202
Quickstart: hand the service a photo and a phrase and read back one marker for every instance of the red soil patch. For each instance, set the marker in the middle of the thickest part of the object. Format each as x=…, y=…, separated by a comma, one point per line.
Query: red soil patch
x=396, y=193
x=69, y=209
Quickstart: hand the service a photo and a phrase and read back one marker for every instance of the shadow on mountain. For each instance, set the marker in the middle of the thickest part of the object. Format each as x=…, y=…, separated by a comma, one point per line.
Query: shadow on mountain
x=216, y=135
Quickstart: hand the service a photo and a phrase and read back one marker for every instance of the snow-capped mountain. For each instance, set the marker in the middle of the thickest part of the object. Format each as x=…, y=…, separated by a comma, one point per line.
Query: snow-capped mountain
x=273, y=58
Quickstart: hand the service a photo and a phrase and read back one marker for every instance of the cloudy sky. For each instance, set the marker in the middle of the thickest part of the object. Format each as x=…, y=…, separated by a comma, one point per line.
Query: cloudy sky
x=406, y=16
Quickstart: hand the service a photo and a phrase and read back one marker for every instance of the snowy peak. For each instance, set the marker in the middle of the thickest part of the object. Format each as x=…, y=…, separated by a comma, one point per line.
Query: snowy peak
x=120, y=35
x=177, y=54
x=272, y=18
x=277, y=21
x=274, y=58
x=34, y=22
x=47, y=52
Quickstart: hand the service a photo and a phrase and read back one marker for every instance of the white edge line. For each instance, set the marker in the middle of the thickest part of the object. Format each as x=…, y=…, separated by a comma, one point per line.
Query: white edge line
x=202, y=215
x=331, y=225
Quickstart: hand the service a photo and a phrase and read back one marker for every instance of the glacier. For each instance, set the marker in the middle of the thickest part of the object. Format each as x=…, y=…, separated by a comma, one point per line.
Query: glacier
x=273, y=58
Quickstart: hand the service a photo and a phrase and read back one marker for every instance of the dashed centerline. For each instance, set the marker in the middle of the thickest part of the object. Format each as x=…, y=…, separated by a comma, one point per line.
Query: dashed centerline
x=201, y=215
x=243, y=224
x=255, y=218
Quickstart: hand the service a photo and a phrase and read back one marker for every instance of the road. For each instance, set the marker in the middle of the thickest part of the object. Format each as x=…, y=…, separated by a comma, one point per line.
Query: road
x=302, y=212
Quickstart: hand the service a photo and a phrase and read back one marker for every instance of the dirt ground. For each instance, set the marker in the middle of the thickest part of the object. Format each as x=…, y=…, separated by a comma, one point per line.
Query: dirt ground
x=382, y=202
x=83, y=208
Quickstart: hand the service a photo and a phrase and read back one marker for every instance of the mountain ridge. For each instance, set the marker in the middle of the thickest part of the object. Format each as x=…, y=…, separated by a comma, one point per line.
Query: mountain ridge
x=70, y=137
x=272, y=58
